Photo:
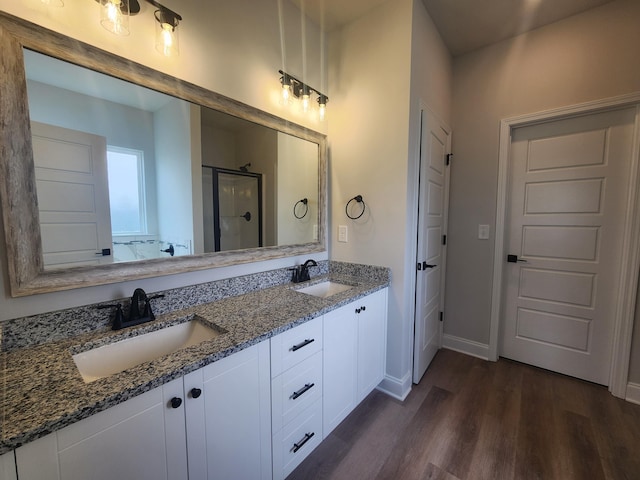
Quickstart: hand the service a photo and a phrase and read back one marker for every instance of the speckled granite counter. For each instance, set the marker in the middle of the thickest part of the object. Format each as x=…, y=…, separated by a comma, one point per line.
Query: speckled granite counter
x=42, y=390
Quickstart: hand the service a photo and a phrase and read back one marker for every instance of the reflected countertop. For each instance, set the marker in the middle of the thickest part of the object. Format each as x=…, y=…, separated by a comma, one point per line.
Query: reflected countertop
x=43, y=391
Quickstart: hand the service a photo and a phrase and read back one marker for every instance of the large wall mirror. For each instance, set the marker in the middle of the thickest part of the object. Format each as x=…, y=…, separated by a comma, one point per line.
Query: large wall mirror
x=112, y=171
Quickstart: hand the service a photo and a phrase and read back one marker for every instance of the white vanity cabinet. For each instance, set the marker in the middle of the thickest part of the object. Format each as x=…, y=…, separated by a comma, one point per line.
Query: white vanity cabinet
x=229, y=421
x=354, y=355
x=139, y=438
x=296, y=395
x=213, y=423
x=8, y=466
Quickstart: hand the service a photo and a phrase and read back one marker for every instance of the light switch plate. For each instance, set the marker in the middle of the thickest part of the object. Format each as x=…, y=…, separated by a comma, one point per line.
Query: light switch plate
x=483, y=232
x=342, y=233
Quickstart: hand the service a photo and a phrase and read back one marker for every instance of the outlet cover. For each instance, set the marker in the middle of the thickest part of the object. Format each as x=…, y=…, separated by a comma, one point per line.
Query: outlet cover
x=342, y=233
x=483, y=232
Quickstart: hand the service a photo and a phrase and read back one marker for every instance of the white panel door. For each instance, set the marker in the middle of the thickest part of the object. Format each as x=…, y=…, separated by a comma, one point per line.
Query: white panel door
x=430, y=252
x=73, y=196
x=568, y=188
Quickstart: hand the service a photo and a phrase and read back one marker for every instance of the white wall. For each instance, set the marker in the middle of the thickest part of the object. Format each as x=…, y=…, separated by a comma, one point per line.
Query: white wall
x=297, y=179
x=232, y=47
x=586, y=57
x=172, y=125
x=373, y=144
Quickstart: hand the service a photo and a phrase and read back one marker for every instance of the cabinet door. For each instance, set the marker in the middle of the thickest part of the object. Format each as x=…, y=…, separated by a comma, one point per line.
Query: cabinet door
x=237, y=415
x=340, y=365
x=8, y=466
x=128, y=440
x=372, y=332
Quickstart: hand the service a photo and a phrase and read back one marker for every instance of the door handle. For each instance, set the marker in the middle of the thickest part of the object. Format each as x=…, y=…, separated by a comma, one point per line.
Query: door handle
x=425, y=265
x=514, y=259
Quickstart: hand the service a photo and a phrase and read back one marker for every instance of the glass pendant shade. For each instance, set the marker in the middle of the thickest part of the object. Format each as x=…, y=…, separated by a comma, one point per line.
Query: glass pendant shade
x=114, y=16
x=167, y=34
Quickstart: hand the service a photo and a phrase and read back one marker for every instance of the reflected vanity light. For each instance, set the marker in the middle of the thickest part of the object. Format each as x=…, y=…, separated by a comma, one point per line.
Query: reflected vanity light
x=53, y=3
x=114, y=17
x=292, y=86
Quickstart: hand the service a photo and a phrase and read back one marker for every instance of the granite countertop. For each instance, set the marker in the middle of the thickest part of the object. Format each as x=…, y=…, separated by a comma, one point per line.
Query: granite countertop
x=44, y=392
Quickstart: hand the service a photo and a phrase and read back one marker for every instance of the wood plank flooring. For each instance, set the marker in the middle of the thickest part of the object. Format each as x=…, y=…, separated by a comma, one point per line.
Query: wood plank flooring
x=470, y=419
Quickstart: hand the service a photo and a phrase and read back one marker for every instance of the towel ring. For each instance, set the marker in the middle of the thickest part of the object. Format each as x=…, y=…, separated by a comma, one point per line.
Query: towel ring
x=358, y=199
x=305, y=202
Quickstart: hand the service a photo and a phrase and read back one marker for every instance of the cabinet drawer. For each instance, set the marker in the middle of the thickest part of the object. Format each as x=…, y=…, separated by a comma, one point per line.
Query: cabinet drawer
x=295, y=345
x=295, y=390
x=297, y=440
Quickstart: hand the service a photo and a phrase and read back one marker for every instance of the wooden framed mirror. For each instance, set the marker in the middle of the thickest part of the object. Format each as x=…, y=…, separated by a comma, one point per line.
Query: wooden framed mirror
x=31, y=271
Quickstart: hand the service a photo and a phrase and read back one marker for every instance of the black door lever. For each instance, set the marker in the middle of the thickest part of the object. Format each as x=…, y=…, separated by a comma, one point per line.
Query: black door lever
x=514, y=259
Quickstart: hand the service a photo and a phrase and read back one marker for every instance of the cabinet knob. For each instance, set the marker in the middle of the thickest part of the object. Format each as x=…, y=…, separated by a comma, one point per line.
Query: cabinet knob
x=176, y=402
x=195, y=392
x=357, y=310
x=363, y=308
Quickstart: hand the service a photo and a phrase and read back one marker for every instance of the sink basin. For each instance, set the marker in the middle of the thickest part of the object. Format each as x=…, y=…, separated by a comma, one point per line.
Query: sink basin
x=325, y=289
x=118, y=356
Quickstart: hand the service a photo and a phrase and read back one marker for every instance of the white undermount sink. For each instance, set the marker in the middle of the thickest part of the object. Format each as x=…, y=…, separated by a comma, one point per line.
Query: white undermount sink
x=115, y=357
x=325, y=289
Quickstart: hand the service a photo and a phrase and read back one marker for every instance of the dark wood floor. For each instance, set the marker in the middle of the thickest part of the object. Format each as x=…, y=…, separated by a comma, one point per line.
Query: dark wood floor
x=472, y=419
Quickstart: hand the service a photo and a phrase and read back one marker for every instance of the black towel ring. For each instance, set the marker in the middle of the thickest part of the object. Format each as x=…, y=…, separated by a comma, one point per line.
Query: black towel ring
x=358, y=199
x=305, y=202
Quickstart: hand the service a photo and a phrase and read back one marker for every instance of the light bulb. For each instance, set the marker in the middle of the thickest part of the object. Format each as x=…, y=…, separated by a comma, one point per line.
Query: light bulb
x=305, y=103
x=286, y=92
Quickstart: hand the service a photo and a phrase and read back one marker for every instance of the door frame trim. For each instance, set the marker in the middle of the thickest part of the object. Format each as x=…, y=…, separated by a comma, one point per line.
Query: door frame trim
x=626, y=297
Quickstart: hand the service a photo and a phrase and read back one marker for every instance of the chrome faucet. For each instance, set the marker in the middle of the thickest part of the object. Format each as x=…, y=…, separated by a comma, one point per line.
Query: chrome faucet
x=301, y=272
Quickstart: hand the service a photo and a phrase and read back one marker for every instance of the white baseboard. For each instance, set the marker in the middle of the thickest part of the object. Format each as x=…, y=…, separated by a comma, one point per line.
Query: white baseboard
x=397, y=388
x=633, y=393
x=463, y=345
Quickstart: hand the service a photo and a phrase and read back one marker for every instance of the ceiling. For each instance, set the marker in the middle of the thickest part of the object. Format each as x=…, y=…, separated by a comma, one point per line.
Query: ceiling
x=465, y=25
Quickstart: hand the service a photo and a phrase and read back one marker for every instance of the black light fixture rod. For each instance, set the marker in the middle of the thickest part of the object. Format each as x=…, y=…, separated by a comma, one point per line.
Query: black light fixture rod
x=164, y=9
x=299, y=82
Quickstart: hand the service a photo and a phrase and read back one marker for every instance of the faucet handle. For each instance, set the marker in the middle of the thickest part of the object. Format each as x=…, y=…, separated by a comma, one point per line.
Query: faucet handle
x=119, y=316
x=148, y=313
x=295, y=276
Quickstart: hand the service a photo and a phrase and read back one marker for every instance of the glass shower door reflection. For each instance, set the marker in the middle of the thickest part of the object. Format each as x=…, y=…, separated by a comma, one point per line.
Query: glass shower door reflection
x=237, y=210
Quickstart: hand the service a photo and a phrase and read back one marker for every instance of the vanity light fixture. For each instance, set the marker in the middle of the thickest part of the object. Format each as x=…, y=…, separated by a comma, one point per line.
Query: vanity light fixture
x=293, y=86
x=114, y=16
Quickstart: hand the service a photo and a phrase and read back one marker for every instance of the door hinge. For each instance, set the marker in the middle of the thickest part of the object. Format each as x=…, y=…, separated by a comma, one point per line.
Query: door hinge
x=441, y=316
x=447, y=159
x=444, y=239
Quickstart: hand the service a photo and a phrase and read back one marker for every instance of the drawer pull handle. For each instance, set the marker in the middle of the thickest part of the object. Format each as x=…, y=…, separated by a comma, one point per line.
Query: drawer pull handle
x=300, y=444
x=303, y=344
x=304, y=389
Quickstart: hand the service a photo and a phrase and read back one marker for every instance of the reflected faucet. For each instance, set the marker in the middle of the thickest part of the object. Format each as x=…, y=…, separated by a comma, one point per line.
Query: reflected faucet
x=301, y=272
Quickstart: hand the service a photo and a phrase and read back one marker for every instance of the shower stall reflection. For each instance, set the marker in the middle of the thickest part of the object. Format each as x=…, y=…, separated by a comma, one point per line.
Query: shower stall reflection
x=232, y=207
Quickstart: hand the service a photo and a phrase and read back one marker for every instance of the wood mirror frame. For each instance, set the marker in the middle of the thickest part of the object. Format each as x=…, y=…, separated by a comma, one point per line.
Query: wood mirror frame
x=18, y=195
